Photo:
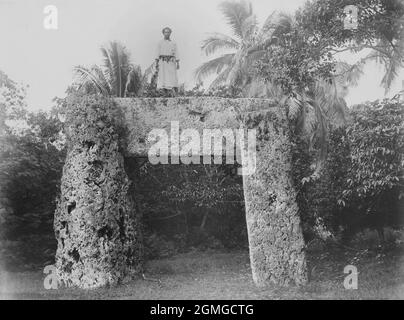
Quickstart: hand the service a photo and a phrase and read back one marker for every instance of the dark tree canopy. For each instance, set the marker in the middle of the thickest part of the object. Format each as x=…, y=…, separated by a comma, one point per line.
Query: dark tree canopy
x=309, y=49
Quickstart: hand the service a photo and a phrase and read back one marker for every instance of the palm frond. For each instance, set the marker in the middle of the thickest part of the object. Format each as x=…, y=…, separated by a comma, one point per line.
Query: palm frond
x=117, y=75
x=108, y=64
x=258, y=88
x=394, y=62
x=348, y=74
x=252, y=56
x=275, y=26
x=235, y=14
x=249, y=28
x=134, y=81
x=330, y=94
x=214, y=66
x=234, y=70
x=100, y=74
x=301, y=108
x=322, y=136
x=93, y=76
x=329, y=98
x=295, y=108
x=218, y=41
x=392, y=58
x=220, y=79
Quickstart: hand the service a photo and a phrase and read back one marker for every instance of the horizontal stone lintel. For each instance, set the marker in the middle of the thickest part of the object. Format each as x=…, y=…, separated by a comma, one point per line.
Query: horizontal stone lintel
x=146, y=115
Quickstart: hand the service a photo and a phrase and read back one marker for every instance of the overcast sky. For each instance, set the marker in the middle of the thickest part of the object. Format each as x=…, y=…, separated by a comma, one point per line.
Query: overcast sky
x=44, y=59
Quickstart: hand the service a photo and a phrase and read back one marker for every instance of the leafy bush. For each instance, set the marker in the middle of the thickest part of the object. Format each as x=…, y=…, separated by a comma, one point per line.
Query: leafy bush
x=30, y=170
x=377, y=144
x=361, y=182
x=199, y=206
x=371, y=195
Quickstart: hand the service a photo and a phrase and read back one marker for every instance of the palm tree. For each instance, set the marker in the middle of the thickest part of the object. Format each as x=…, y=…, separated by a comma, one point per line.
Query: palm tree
x=315, y=109
x=248, y=44
x=322, y=105
x=117, y=77
x=245, y=46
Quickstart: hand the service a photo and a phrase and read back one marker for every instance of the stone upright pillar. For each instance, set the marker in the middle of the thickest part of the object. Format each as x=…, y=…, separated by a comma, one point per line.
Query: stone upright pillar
x=275, y=235
x=96, y=225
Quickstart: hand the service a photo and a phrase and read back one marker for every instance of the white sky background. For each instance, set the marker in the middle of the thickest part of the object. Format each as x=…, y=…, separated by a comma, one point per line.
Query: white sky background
x=44, y=59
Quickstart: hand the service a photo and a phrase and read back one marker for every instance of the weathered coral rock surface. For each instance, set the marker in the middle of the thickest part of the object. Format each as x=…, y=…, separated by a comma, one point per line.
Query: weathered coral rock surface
x=273, y=221
x=96, y=225
x=275, y=236
x=141, y=115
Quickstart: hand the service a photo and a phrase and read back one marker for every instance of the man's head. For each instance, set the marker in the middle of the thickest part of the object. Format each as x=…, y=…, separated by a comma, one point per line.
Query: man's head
x=167, y=32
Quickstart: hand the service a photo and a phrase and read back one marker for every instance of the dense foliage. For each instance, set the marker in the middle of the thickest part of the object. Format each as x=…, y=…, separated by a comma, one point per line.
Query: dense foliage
x=377, y=146
x=361, y=183
x=31, y=159
x=309, y=47
x=191, y=207
x=295, y=60
x=117, y=77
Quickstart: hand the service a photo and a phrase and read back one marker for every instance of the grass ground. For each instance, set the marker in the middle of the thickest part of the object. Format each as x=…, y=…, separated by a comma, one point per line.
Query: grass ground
x=227, y=275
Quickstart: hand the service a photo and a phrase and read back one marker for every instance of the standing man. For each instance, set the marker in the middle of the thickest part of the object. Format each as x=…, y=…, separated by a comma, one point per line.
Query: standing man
x=167, y=62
